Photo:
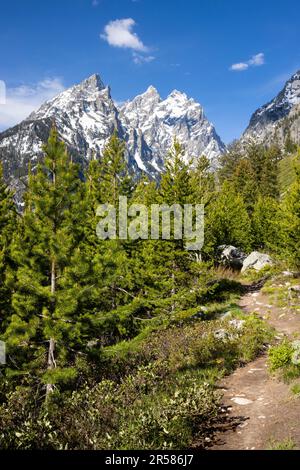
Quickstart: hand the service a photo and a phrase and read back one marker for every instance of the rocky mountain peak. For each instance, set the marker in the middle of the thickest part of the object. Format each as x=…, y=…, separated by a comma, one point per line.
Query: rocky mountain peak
x=93, y=83
x=267, y=118
x=151, y=91
x=85, y=116
x=175, y=94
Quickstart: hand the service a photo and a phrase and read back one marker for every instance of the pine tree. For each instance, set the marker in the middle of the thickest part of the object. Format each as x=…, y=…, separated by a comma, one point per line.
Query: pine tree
x=175, y=183
x=269, y=184
x=264, y=226
x=8, y=221
x=288, y=223
x=50, y=231
x=175, y=189
x=290, y=146
x=229, y=161
x=245, y=182
x=227, y=221
x=255, y=153
x=110, y=266
x=202, y=182
x=114, y=176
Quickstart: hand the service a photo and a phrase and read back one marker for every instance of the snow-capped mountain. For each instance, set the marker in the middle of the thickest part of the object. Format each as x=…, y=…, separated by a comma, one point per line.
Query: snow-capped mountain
x=279, y=116
x=85, y=117
x=159, y=121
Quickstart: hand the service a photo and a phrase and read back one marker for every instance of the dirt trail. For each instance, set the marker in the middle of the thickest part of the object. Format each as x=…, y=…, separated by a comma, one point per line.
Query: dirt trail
x=263, y=406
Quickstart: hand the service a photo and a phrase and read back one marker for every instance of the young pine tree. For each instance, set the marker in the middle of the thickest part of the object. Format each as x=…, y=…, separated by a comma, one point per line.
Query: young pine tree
x=269, y=183
x=8, y=221
x=110, y=272
x=202, y=182
x=113, y=176
x=44, y=328
x=245, y=182
x=264, y=226
x=288, y=222
x=175, y=188
x=227, y=221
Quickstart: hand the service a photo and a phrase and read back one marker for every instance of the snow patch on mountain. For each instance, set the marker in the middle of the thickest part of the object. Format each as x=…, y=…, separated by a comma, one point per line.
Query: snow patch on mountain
x=160, y=121
x=267, y=120
x=85, y=116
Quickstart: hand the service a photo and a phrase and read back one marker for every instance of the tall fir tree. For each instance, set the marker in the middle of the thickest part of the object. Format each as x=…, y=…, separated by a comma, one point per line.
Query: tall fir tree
x=110, y=264
x=167, y=262
x=245, y=182
x=288, y=224
x=202, y=182
x=264, y=227
x=8, y=222
x=227, y=221
x=229, y=161
x=269, y=183
x=113, y=175
x=43, y=328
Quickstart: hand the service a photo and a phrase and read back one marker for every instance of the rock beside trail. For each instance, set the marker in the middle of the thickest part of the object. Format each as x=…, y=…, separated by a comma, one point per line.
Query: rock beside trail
x=256, y=261
x=231, y=256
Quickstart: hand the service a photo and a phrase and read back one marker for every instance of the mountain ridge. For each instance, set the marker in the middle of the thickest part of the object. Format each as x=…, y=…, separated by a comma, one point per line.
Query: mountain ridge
x=85, y=116
x=268, y=122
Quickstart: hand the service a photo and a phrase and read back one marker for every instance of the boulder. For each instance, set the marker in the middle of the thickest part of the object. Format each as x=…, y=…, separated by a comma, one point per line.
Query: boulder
x=256, y=261
x=294, y=289
x=231, y=256
x=238, y=324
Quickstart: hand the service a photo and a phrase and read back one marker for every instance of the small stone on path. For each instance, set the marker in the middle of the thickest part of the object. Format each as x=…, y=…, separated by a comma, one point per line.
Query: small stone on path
x=241, y=401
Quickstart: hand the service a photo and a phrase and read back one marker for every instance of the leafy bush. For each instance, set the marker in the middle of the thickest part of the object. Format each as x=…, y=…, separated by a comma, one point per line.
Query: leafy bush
x=156, y=392
x=256, y=335
x=295, y=389
x=280, y=356
x=285, y=359
x=136, y=414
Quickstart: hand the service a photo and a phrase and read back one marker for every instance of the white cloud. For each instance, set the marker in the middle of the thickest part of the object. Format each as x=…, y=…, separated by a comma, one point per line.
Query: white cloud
x=2, y=92
x=118, y=33
x=142, y=59
x=258, y=59
x=255, y=61
x=239, y=67
x=24, y=99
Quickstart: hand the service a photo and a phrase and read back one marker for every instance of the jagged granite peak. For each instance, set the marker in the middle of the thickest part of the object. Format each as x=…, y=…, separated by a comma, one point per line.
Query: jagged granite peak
x=151, y=90
x=93, y=82
x=135, y=112
x=268, y=119
x=160, y=121
x=85, y=116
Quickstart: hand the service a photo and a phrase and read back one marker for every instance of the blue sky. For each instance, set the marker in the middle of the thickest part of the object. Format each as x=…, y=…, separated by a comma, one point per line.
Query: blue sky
x=189, y=45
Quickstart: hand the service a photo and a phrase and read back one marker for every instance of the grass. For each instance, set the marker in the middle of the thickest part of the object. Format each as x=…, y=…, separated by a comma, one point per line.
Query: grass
x=279, y=294
x=280, y=361
x=286, y=444
x=287, y=173
x=157, y=391
x=295, y=389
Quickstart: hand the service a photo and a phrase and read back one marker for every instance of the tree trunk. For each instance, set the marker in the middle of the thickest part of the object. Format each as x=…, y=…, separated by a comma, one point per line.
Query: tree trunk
x=173, y=285
x=51, y=364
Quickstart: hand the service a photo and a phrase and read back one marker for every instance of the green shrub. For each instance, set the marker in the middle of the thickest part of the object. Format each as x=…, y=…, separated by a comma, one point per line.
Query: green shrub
x=138, y=413
x=157, y=391
x=280, y=356
x=256, y=335
x=295, y=389
x=285, y=359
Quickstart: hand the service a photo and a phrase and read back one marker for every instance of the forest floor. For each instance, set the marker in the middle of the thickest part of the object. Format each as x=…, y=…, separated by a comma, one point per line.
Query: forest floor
x=262, y=410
